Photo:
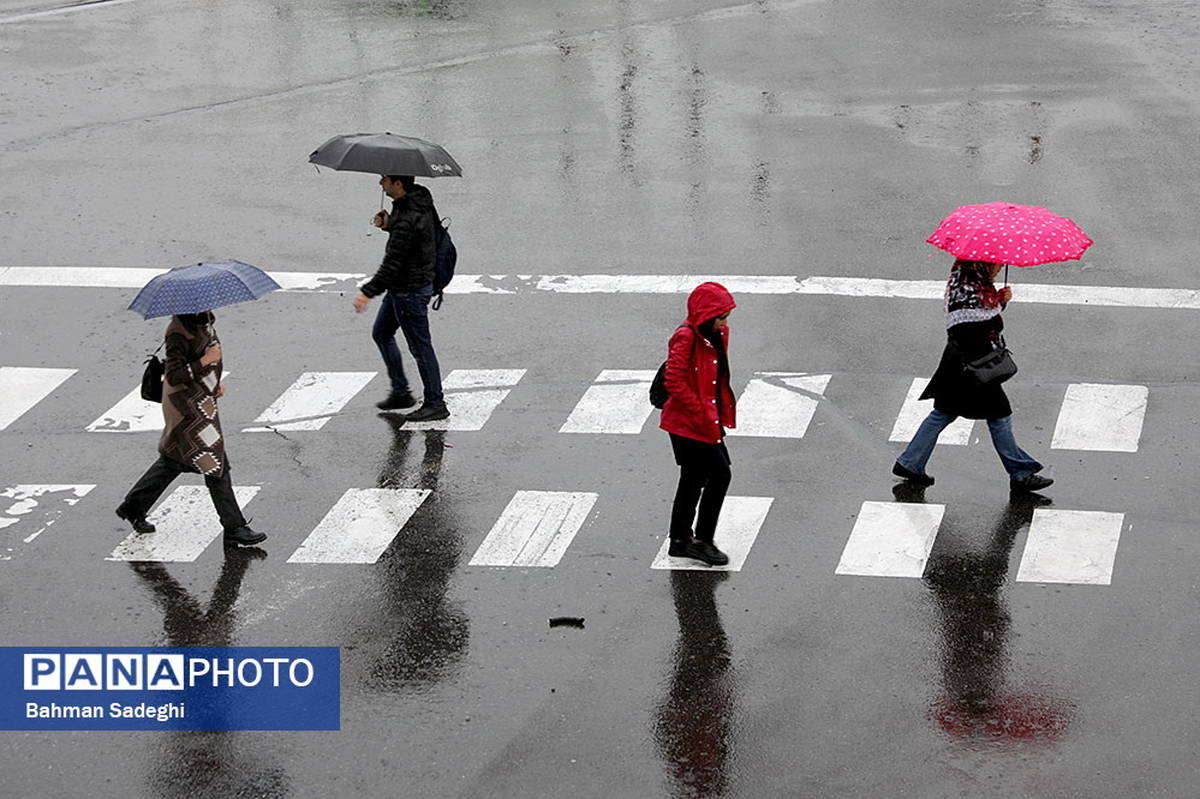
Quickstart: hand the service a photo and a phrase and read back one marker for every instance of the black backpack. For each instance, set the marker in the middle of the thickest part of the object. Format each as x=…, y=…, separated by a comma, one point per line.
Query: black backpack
x=446, y=257
x=658, y=386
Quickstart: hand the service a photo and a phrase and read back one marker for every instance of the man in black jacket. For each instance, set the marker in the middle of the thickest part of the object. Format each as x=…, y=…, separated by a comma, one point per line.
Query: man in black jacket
x=405, y=278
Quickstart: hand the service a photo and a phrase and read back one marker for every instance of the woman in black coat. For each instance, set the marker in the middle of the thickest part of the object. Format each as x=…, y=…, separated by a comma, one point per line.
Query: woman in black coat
x=973, y=329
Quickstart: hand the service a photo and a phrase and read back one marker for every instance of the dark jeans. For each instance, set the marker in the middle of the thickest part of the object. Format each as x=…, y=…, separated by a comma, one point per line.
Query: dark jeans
x=703, y=478
x=408, y=311
x=163, y=472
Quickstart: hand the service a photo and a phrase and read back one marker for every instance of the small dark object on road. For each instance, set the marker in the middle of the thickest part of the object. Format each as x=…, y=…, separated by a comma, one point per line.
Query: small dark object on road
x=566, y=621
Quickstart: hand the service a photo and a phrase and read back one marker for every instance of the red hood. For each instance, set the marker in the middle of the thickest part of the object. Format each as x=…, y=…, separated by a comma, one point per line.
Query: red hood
x=708, y=301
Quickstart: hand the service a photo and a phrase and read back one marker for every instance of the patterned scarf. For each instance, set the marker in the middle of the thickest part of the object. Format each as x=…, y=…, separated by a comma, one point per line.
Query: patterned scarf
x=970, y=294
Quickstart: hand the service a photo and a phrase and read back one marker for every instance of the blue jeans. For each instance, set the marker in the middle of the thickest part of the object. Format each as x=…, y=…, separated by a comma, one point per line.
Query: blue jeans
x=1017, y=462
x=408, y=311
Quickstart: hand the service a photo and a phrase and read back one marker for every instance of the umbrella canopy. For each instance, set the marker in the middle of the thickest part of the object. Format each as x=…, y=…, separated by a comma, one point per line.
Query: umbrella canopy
x=386, y=154
x=201, y=287
x=1005, y=233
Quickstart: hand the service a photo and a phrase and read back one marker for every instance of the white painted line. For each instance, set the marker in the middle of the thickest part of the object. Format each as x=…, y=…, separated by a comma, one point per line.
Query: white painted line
x=1071, y=546
x=914, y=411
x=23, y=387
x=132, y=414
x=779, y=404
x=39, y=505
x=472, y=395
x=64, y=9
x=535, y=529
x=187, y=523
x=618, y=402
x=1103, y=418
x=361, y=526
x=311, y=401
x=339, y=282
x=737, y=528
x=891, y=539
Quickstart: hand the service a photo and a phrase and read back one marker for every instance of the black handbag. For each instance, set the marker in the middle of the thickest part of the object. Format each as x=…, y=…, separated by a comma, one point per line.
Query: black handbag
x=152, y=378
x=991, y=369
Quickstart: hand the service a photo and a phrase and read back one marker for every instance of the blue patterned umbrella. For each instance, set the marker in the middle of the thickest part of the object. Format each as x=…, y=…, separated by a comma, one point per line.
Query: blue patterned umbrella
x=201, y=287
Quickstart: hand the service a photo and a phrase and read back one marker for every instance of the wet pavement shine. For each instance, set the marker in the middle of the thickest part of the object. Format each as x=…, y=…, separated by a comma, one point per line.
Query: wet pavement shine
x=771, y=137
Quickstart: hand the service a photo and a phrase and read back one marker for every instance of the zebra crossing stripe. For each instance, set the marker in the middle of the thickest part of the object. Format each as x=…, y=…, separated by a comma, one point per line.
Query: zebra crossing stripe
x=187, y=523
x=535, y=529
x=311, y=401
x=891, y=539
x=779, y=404
x=38, y=505
x=472, y=395
x=1101, y=417
x=22, y=387
x=737, y=528
x=618, y=402
x=1071, y=546
x=361, y=526
x=914, y=411
x=132, y=414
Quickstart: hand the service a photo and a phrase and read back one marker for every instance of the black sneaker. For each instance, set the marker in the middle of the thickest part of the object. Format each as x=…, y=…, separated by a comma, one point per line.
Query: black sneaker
x=913, y=477
x=429, y=412
x=138, y=523
x=243, y=537
x=707, y=552
x=1030, y=482
x=396, y=400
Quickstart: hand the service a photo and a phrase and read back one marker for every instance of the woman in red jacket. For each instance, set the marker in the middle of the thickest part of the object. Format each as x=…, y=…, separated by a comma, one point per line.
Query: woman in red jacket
x=699, y=408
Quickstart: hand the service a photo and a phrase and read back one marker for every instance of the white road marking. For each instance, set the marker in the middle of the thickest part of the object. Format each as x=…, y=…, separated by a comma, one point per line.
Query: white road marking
x=132, y=414
x=63, y=9
x=914, y=411
x=618, y=402
x=737, y=528
x=1071, y=546
x=891, y=539
x=41, y=504
x=22, y=387
x=311, y=401
x=1101, y=417
x=779, y=404
x=187, y=523
x=472, y=395
x=1041, y=293
x=535, y=529
x=361, y=526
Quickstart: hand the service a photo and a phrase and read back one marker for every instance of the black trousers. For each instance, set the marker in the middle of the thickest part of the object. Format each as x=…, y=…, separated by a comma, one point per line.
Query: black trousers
x=703, y=479
x=162, y=473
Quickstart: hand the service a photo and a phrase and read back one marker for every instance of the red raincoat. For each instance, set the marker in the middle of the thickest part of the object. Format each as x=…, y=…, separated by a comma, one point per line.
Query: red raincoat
x=692, y=367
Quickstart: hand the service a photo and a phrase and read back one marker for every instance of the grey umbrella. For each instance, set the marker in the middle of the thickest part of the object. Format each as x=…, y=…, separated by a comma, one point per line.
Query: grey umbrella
x=385, y=154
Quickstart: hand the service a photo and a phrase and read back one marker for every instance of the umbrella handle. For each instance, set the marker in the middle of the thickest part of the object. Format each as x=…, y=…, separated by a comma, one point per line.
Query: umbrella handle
x=1006, y=276
x=383, y=201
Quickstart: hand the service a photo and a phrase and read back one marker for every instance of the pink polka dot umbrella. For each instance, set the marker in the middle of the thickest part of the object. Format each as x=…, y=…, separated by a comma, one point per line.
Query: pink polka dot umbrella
x=1005, y=233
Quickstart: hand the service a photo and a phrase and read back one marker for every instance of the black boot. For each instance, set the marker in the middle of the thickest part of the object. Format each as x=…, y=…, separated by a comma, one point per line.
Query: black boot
x=429, y=412
x=396, y=400
x=243, y=536
x=138, y=523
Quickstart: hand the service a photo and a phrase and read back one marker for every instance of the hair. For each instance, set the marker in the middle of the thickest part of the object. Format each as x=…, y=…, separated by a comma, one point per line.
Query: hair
x=407, y=181
x=194, y=320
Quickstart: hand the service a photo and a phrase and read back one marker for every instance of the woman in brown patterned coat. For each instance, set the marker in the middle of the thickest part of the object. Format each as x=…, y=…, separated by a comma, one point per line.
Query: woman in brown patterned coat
x=192, y=440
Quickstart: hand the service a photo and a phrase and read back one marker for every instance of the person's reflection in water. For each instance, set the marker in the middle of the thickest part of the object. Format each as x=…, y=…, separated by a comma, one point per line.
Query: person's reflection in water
x=207, y=763
x=426, y=634
x=966, y=580
x=692, y=723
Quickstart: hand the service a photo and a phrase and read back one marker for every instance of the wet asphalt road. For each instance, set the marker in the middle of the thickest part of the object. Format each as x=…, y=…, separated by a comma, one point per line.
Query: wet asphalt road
x=789, y=138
